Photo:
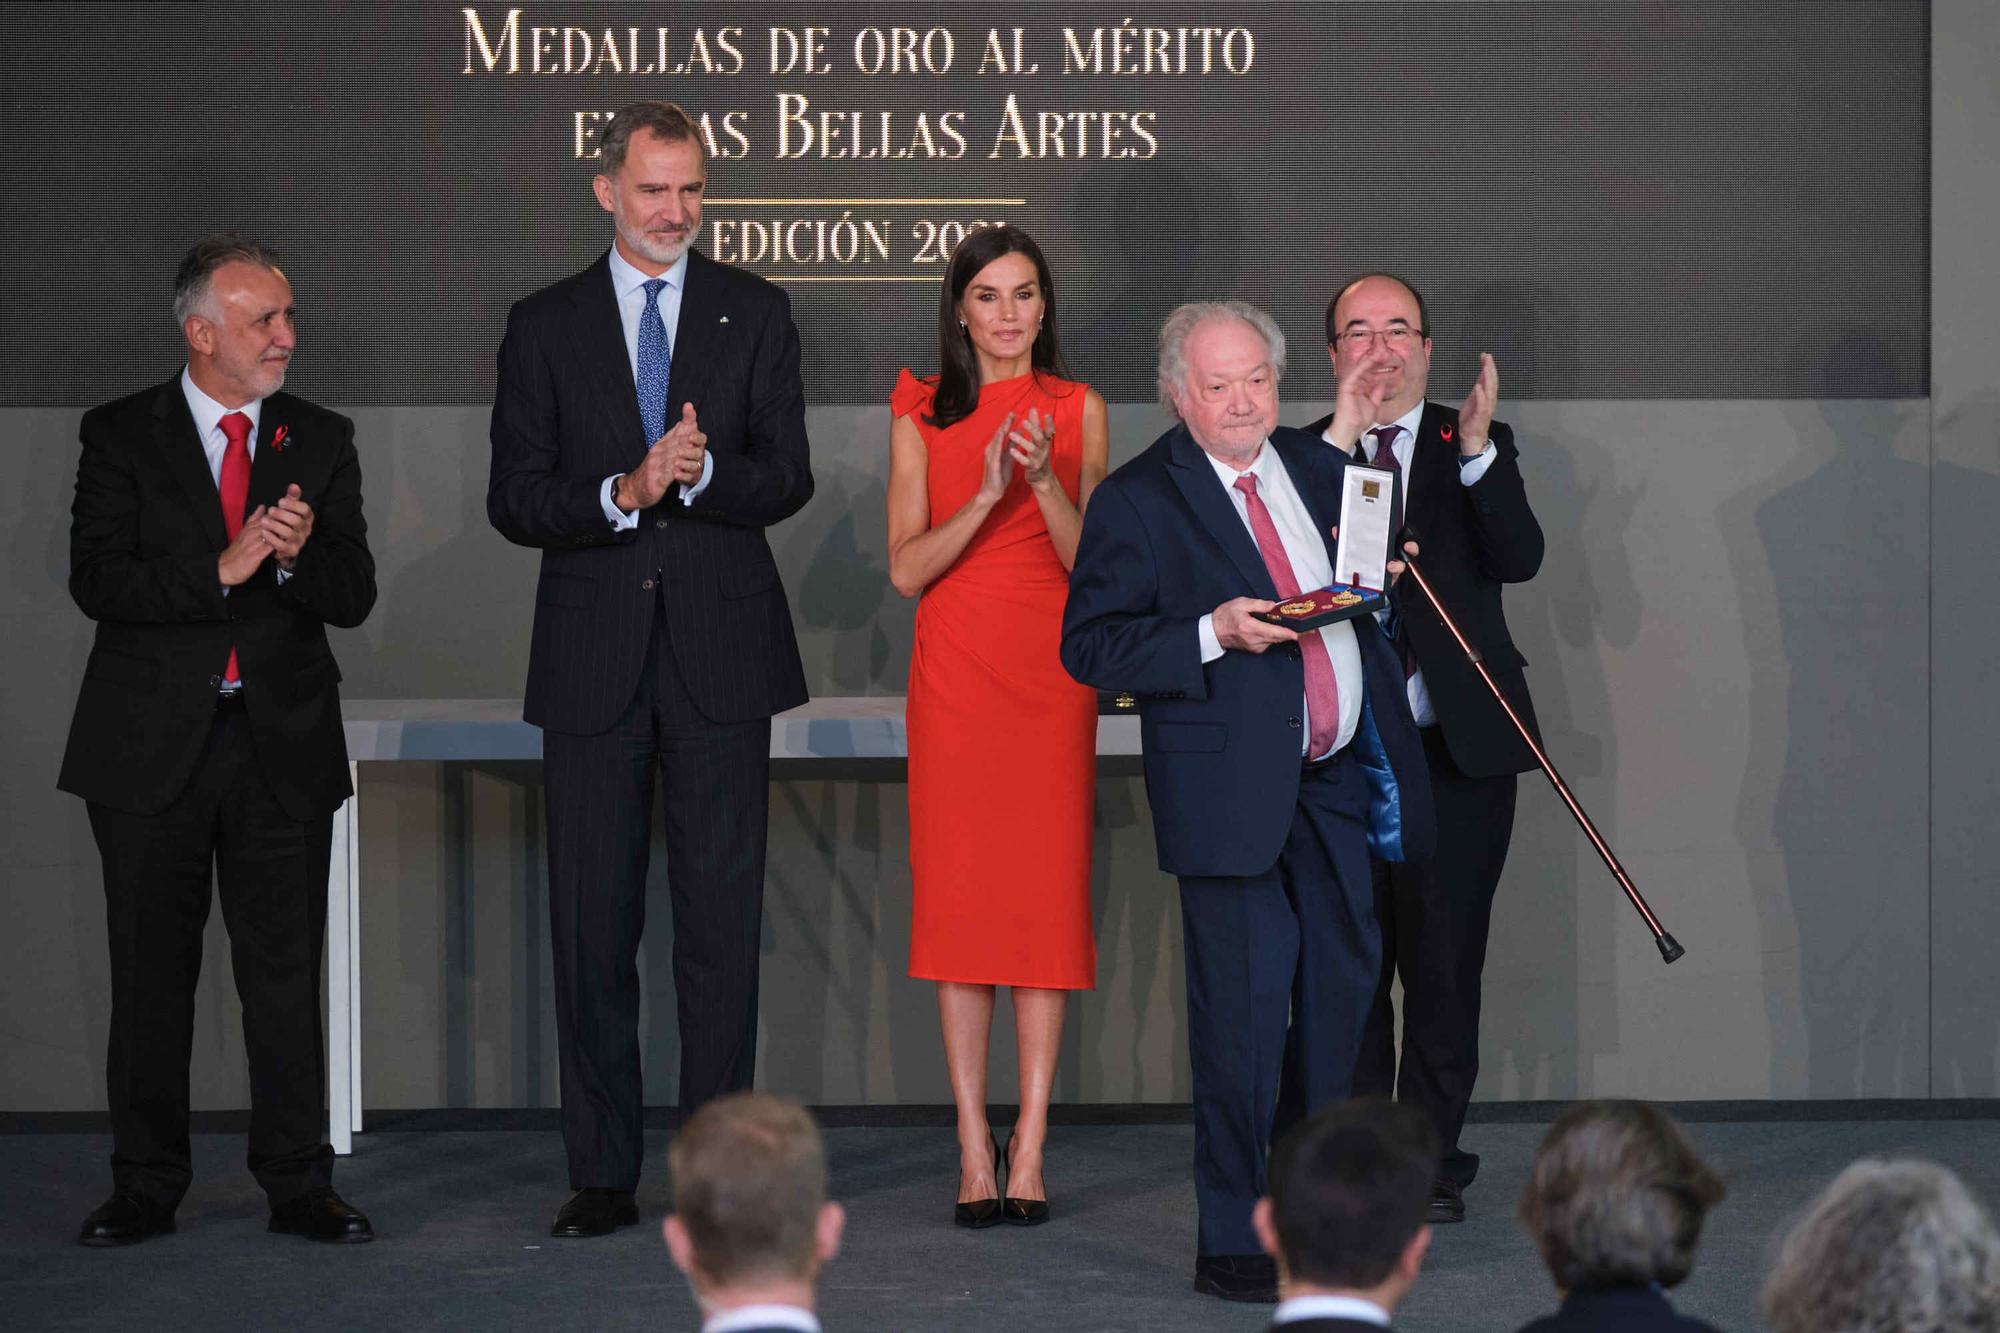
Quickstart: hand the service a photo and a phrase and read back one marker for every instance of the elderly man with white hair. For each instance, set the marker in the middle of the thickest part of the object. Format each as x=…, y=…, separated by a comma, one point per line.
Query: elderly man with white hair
x=1896, y=1246
x=1276, y=761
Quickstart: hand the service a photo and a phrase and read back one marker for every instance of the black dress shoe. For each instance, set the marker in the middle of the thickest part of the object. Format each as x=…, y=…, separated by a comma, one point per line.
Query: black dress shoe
x=123, y=1219
x=594, y=1212
x=1021, y=1212
x=320, y=1214
x=980, y=1213
x=1238, y=1277
x=1447, y=1202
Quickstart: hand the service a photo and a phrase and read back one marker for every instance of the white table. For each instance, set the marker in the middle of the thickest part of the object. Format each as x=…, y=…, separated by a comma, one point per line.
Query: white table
x=433, y=730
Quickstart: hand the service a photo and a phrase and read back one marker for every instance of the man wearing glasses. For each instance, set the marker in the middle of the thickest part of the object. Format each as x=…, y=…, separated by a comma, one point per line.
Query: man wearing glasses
x=1458, y=487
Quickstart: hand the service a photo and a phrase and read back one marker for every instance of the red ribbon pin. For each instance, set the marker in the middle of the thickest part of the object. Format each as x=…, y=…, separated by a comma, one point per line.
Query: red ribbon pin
x=1445, y=433
x=278, y=438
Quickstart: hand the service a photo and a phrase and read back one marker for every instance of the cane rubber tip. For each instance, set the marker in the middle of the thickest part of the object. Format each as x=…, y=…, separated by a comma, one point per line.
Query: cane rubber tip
x=1670, y=948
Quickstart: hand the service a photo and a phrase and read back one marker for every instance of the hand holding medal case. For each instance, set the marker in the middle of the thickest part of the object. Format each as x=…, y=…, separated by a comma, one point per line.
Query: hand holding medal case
x=1362, y=560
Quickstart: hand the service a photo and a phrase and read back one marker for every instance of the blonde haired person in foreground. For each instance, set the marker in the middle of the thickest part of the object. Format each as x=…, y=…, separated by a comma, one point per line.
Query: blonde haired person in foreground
x=1888, y=1246
x=751, y=1225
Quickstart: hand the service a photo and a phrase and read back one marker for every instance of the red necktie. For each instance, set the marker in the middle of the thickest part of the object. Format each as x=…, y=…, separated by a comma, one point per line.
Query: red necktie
x=234, y=484
x=1322, y=692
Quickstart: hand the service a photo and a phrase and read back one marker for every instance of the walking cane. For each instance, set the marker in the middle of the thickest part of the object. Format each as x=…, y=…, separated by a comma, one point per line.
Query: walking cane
x=1670, y=948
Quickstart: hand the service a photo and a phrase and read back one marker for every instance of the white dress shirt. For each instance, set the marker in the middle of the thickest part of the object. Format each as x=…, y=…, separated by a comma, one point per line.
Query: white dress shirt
x=1330, y=1307
x=628, y=284
x=208, y=415
x=762, y=1316
x=1310, y=565
x=1470, y=470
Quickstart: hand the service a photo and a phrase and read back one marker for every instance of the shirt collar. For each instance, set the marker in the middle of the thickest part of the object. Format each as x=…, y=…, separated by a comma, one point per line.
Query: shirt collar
x=1330, y=1307
x=1260, y=466
x=762, y=1316
x=208, y=413
x=1409, y=421
x=625, y=278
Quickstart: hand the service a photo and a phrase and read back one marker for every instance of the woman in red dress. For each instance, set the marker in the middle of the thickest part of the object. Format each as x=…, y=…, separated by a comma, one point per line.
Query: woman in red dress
x=991, y=463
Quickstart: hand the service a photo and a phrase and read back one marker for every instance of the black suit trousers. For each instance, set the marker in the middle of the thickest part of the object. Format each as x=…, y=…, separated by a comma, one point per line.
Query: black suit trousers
x=1434, y=917
x=599, y=792
x=271, y=872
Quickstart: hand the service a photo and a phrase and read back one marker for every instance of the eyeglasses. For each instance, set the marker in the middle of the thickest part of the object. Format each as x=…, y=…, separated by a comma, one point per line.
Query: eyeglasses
x=1400, y=338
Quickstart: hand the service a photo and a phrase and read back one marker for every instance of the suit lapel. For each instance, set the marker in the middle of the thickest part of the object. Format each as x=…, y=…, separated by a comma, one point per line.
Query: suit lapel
x=1431, y=470
x=273, y=468
x=695, y=336
x=1307, y=466
x=1199, y=486
x=186, y=461
x=600, y=336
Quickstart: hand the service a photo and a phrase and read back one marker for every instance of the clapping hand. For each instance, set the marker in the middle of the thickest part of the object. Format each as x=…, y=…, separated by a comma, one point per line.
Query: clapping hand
x=1358, y=397
x=675, y=458
x=1031, y=446
x=1000, y=459
x=1475, y=419
x=287, y=524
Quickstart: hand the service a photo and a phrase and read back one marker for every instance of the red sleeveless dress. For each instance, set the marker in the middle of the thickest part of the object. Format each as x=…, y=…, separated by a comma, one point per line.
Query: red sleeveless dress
x=1002, y=742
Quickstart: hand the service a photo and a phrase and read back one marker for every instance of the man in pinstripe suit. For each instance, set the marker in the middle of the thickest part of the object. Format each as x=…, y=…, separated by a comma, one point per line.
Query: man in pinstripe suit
x=662, y=642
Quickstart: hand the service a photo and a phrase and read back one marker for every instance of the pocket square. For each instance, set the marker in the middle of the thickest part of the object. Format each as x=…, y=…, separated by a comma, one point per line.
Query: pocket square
x=723, y=320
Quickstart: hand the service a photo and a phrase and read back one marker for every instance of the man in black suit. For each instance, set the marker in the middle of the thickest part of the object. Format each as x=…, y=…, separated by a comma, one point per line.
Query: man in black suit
x=1459, y=484
x=216, y=532
x=751, y=1227
x=1345, y=1216
x=648, y=425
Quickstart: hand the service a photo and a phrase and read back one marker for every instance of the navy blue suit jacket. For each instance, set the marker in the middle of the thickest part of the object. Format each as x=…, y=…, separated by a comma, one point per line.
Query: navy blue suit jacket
x=1163, y=546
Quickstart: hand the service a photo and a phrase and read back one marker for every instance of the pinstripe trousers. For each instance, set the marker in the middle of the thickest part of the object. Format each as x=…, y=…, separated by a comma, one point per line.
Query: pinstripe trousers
x=599, y=792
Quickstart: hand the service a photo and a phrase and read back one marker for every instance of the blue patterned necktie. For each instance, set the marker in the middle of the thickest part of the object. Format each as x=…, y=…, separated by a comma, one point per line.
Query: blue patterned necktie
x=656, y=361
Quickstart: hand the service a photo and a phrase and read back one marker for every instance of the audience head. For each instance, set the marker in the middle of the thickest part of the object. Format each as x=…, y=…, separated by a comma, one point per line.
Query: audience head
x=998, y=298
x=652, y=169
x=751, y=1219
x=1888, y=1247
x=235, y=311
x=1349, y=1191
x=1616, y=1197
x=1220, y=363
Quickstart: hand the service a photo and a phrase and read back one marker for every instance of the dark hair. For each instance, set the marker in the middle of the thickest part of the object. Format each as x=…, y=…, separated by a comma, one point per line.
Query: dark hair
x=1617, y=1196
x=1349, y=1188
x=208, y=254
x=958, y=367
x=665, y=119
x=1423, y=312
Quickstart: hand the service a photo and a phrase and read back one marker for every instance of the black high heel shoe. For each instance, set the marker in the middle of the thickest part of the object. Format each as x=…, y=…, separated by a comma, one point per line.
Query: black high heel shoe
x=981, y=1212
x=1022, y=1212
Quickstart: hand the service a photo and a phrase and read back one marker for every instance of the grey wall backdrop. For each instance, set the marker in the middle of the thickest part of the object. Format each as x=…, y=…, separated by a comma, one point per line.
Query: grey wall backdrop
x=1759, y=644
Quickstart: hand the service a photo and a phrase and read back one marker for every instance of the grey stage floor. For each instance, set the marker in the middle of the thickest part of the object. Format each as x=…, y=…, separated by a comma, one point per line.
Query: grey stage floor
x=461, y=1218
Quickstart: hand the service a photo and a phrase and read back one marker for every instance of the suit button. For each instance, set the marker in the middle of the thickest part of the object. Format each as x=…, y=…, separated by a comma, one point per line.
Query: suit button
x=1292, y=722
x=659, y=522
x=647, y=585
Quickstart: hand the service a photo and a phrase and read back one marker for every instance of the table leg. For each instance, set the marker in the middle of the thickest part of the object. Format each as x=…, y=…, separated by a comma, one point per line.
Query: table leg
x=343, y=1084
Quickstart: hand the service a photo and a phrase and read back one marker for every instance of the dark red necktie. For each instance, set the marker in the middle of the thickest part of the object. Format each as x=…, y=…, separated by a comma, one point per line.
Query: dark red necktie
x=1385, y=456
x=234, y=484
x=1322, y=690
